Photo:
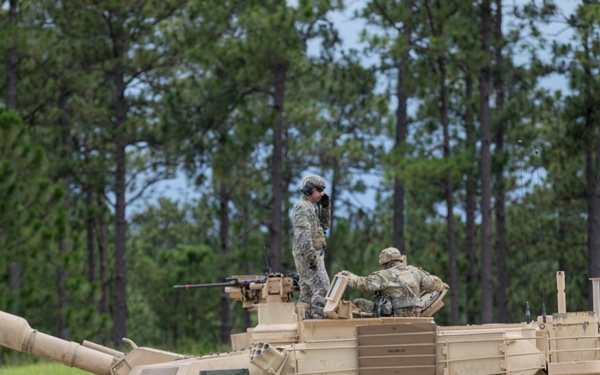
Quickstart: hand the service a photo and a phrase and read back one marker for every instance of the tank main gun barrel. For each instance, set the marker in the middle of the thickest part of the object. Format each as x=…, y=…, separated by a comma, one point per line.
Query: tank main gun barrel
x=15, y=333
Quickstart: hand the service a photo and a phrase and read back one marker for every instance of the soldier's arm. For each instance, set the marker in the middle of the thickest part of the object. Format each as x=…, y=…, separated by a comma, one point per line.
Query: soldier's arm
x=430, y=283
x=365, y=284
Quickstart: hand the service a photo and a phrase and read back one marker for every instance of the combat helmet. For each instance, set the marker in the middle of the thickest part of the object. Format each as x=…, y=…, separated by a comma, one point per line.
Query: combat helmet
x=311, y=181
x=389, y=254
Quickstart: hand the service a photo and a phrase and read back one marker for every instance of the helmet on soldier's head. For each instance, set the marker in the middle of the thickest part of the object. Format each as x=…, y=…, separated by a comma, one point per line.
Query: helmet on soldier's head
x=311, y=181
x=388, y=255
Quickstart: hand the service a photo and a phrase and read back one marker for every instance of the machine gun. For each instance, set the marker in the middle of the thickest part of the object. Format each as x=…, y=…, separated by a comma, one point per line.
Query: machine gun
x=252, y=289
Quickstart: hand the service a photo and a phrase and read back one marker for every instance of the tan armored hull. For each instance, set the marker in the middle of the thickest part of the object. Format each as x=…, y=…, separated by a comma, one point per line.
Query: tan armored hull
x=282, y=344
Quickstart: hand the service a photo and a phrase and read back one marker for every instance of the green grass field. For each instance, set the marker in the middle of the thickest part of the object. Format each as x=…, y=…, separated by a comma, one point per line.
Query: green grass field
x=42, y=369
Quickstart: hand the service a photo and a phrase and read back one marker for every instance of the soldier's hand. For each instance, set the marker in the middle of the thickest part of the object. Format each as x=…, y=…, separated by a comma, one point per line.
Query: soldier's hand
x=324, y=200
x=313, y=262
x=445, y=286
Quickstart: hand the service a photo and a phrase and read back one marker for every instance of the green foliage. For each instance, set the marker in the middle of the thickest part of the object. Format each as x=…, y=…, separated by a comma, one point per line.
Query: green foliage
x=28, y=196
x=173, y=245
x=29, y=215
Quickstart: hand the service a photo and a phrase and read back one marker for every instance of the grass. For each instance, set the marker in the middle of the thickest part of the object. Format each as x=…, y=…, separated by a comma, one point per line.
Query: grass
x=46, y=368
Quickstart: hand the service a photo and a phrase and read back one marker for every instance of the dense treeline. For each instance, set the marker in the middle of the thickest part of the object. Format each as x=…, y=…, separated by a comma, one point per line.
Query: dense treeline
x=437, y=134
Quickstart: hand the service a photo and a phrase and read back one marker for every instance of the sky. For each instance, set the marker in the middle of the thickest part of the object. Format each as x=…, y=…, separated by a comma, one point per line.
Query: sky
x=350, y=28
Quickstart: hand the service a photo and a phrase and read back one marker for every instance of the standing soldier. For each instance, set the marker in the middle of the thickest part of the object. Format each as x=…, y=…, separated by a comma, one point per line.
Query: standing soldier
x=397, y=286
x=311, y=218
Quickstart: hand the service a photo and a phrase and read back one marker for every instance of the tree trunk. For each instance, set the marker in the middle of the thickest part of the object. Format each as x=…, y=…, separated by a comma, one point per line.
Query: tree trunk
x=500, y=194
x=561, y=237
x=103, y=258
x=245, y=242
x=90, y=241
x=486, y=165
x=592, y=175
x=277, y=167
x=11, y=104
x=470, y=210
x=120, y=306
x=61, y=291
x=120, y=287
x=14, y=284
x=13, y=59
x=288, y=178
x=63, y=247
x=226, y=324
x=401, y=133
x=330, y=255
x=449, y=191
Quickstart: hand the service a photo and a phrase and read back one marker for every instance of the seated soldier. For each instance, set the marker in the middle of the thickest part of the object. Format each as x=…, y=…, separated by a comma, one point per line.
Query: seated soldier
x=397, y=286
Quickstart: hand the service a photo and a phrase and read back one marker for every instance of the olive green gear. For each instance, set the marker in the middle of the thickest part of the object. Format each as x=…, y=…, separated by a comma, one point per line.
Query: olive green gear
x=389, y=254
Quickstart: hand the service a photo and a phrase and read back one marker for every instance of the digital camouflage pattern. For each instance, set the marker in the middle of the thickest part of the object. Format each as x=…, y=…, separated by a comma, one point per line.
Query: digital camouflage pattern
x=314, y=283
x=401, y=284
x=309, y=251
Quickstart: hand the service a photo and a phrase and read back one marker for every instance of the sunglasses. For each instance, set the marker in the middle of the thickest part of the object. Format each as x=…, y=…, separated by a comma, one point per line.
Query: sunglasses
x=320, y=190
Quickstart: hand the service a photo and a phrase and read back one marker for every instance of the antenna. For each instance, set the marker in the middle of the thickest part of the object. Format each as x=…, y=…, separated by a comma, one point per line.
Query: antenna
x=267, y=260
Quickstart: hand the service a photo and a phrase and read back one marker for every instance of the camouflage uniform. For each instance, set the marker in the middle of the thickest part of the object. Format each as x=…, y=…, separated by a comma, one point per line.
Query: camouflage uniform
x=309, y=242
x=399, y=288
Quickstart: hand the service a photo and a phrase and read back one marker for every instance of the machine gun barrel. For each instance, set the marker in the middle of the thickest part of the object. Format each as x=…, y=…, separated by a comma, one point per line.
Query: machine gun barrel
x=210, y=285
x=232, y=281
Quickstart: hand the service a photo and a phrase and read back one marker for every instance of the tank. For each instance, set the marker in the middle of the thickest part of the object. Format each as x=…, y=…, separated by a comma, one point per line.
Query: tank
x=348, y=343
